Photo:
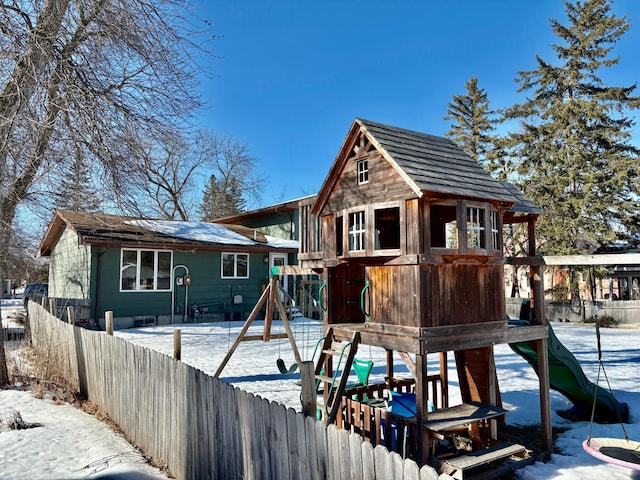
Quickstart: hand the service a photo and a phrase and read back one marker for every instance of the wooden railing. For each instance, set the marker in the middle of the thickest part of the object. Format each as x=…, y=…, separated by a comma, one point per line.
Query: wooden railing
x=364, y=412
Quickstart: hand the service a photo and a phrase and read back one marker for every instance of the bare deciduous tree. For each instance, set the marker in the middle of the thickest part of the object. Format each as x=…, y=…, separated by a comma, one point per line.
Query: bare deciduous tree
x=118, y=71
x=168, y=169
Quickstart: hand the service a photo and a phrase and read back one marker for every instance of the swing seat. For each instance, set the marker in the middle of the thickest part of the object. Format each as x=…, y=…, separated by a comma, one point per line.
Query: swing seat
x=283, y=368
x=617, y=451
x=363, y=370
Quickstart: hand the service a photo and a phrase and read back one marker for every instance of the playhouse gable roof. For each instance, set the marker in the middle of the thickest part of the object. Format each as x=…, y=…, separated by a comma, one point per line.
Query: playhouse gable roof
x=430, y=165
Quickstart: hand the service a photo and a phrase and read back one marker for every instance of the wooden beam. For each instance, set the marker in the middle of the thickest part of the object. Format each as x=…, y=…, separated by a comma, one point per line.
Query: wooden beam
x=247, y=324
x=408, y=361
x=268, y=315
x=287, y=327
x=294, y=270
x=578, y=260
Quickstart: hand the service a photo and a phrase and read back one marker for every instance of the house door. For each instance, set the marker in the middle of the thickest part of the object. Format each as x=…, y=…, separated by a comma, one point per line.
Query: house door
x=279, y=260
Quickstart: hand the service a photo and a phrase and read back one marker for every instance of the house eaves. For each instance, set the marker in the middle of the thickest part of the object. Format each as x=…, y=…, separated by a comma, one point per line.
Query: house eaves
x=113, y=231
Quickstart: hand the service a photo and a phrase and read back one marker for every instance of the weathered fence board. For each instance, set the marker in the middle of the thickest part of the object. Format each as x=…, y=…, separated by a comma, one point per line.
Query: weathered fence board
x=199, y=426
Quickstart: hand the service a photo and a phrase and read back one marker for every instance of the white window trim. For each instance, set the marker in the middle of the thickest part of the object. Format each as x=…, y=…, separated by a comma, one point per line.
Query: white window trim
x=363, y=171
x=474, y=226
x=357, y=232
x=155, y=270
x=235, y=264
x=496, y=243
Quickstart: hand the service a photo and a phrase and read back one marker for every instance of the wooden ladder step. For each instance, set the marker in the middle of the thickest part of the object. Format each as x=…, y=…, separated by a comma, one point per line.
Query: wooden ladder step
x=332, y=352
x=489, y=455
x=324, y=378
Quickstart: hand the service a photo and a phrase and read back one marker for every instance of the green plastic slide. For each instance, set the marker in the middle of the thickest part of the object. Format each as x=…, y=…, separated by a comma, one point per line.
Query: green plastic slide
x=566, y=376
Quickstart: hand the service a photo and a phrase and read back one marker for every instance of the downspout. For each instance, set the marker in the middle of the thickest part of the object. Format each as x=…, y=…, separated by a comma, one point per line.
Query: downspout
x=98, y=284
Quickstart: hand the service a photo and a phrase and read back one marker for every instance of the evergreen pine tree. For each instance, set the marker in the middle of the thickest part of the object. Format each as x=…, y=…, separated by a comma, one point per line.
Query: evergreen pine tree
x=221, y=198
x=573, y=151
x=472, y=126
x=77, y=192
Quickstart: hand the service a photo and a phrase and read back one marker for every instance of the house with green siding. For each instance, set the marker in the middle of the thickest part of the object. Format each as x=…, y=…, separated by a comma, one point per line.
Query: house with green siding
x=159, y=271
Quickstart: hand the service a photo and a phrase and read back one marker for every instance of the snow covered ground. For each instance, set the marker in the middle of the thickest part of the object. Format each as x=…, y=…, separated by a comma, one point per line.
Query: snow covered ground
x=68, y=444
x=253, y=368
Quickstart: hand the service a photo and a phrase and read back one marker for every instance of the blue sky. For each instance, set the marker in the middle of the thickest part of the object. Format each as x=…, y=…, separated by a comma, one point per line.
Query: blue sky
x=293, y=75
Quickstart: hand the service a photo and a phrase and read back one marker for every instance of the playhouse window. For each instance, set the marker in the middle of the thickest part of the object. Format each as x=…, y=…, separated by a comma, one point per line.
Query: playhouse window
x=339, y=235
x=444, y=226
x=235, y=265
x=496, y=243
x=356, y=231
x=387, y=224
x=142, y=270
x=363, y=172
x=476, y=227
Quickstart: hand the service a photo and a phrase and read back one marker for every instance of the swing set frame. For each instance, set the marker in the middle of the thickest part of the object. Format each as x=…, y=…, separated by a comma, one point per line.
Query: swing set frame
x=271, y=297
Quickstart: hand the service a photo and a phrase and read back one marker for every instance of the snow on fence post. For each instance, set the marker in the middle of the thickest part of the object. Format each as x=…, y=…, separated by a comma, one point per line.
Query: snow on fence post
x=70, y=318
x=177, y=343
x=108, y=319
x=52, y=307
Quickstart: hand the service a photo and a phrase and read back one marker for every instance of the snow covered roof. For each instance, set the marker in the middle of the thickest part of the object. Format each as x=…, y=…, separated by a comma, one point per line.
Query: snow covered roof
x=211, y=233
x=118, y=231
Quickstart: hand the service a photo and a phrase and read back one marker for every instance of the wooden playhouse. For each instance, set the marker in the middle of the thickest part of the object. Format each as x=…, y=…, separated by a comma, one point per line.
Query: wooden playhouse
x=406, y=232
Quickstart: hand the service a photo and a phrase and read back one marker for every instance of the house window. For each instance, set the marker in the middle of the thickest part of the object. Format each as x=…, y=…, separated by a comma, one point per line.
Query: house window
x=444, y=226
x=356, y=231
x=496, y=244
x=363, y=172
x=235, y=265
x=145, y=270
x=476, y=227
x=387, y=223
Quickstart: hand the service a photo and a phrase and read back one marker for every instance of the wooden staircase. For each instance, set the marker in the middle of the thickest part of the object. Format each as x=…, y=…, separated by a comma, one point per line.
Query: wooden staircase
x=331, y=380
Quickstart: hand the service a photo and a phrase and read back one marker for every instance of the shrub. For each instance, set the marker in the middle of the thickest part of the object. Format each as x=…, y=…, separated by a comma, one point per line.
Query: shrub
x=605, y=321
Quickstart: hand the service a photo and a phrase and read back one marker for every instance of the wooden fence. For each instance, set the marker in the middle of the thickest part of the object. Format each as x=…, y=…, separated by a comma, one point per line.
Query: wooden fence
x=624, y=312
x=201, y=427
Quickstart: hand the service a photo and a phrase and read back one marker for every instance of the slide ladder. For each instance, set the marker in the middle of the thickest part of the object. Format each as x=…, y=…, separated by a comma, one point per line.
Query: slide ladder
x=334, y=375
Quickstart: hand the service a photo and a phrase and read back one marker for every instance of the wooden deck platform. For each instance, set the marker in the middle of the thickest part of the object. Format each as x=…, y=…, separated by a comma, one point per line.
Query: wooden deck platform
x=465, y=464
x=439, y=339
x=460, y=415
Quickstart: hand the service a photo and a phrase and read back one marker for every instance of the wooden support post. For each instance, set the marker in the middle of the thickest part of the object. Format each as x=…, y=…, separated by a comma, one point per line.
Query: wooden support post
x=70, y=314
x=308, y=389
x=422, y=412
x=494, y=391
x=268, y=315
x=537, y=294
x=177, y=344
x=444, y=377
x=545, y=400
x=108, y=321
x=389, y=364
x=52, y=307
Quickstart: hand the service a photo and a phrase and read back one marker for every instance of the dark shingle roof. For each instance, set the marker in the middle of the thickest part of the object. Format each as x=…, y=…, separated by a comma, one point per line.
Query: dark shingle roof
x=436, y=164
x=524, y=205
